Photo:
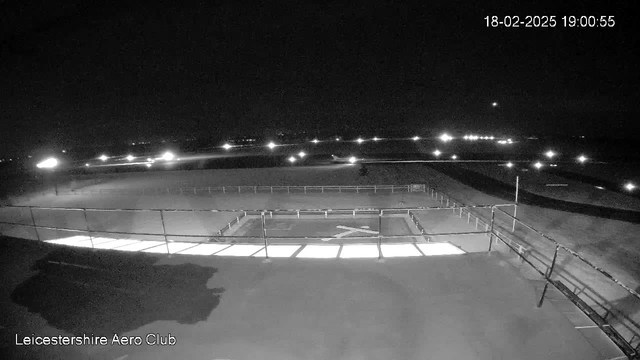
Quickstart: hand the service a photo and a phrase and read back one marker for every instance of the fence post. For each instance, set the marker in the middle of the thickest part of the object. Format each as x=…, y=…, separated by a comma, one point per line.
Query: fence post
x=86, y=225
x=288, y=190
x=392, y=189
x=375, y=189
x=164, y=232
x=354, y=214
x=380, y=236
x=298, y=211
x=476, y=223
x=238, y=189
x=357, y=189
x=255, y=189
x=305, y=189
x=493, y=213
x=325, y=214
x=209, y=190
x=468, y=217
x=264, y=238
x=548, y=276
x=224, y=191
x=271, y=189
x=515, y=211
x=33, y=220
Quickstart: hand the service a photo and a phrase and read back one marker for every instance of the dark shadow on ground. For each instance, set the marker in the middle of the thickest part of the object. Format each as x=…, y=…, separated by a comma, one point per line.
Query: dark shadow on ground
x=505, y=191
x=106, y=293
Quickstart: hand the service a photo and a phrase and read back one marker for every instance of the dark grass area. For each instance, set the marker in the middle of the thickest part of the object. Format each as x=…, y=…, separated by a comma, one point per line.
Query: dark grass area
x=506, y=191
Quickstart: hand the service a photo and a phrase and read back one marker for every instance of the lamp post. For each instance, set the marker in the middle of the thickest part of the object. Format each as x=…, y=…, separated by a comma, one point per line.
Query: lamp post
x=50, y=163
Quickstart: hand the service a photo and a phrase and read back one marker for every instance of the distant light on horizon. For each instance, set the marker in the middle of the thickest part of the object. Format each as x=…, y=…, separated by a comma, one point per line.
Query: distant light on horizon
x=168, y=156
x=629, y=186
x=494, y=104
x=302, y=154
x=454, y=157
x=130, y=157
x=226, y=146
x=48, y=163
x=271, y=145
x=538, y=165
x=416, y=138
x=445, y=137
x=550, y=154
x=292, y=159
x=103, y=157
x=375, y=138
x=582, y=159
x=315, y=141
x=509, y=164
x=148, y=165
x=437, y=153
x=353, y=159
x=359, y=140
x=87, y=165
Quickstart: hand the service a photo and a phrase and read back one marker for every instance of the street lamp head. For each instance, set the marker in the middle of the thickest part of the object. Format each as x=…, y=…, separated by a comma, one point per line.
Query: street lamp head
x=130, y=157
x=454, y=157
x=353, y=160
x=315, y=141
x=494, y=104
x=168, y=156
x=359, y=140
x=49, y=163
x=509, y=164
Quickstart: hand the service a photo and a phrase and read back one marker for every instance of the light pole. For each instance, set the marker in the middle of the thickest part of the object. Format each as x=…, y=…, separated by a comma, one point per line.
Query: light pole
x=50, y=163
x=515, y=206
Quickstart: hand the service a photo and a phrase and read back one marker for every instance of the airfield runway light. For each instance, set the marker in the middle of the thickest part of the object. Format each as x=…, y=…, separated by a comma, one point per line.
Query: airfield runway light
x=494, y=104
x=87, y=165
x=353, y=159
x=491, y=138
x=446, y=137
x=315, y=141
x=64, y=151
x=150, y=160
x=148, y=165
x=415, y=138
x=302, y=154
x=337, y=139
x=359, y=140
x=130, y=157
x=103, y=157
x=454, y=157
x=271, y=145
x=168, y=156
x=629, y=186
x=582, y=159
x=292, y=159
x=509, y=164
x=49, y=163
x=550, y=154
x=226, y=146
x=437, y=153
x=538, y=165
x=509, y=141
x=375, y=138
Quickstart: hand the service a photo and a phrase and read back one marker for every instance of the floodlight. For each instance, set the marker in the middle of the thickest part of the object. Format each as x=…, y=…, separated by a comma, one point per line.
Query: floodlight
x=49, y=163
x=302, y=154
x=509, y=164
x=292, y=159
x=168, y=156
x=103, y=157
x=130, y=157
x=437, y=153
x=582, y=159
x=538, y=165
x=353, y=159
x=629, y=186
x=271, y=145
x=550, y=154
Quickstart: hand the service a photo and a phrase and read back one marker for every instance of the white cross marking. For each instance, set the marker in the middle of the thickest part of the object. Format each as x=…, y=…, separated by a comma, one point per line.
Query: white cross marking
x=351, y=230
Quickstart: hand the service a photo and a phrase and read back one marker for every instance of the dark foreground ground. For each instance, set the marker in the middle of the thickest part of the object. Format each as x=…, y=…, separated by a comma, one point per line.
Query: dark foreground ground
x=457, y=307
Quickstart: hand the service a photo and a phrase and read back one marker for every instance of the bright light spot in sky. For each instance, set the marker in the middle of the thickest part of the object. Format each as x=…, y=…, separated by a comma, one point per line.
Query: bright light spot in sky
x=416, y=138
x=494, y=104
x=509, y=164
x=550, y=154
x=315, y=141
x=48, y=163
x=454, y=157
x=359, y=140
x=582, y=158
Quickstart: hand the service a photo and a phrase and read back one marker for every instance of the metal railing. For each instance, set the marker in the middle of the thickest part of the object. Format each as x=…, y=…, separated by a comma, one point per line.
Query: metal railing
x=528, y=253
x=212, y=190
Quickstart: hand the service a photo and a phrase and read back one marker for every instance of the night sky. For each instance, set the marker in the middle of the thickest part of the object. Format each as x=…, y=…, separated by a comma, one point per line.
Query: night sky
x=122, y=70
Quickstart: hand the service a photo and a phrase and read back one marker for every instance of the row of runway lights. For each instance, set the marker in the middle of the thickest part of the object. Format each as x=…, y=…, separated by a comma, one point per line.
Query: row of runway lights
x=168, y=156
